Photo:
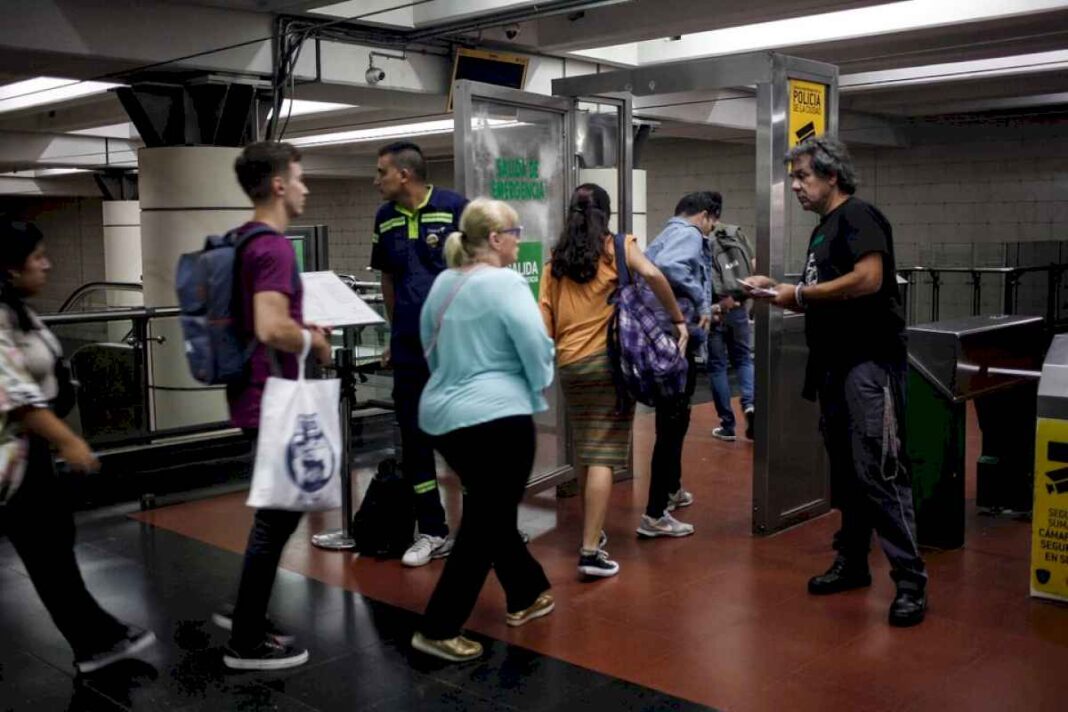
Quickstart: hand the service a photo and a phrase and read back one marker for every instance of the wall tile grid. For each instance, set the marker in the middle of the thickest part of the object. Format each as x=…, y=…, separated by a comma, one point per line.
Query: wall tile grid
x=74, y=235
x=990, y=203
x=950, y=204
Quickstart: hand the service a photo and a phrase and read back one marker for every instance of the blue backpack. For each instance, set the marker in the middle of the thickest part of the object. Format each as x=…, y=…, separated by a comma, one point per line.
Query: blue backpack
x=647, y=363
x=215, y=346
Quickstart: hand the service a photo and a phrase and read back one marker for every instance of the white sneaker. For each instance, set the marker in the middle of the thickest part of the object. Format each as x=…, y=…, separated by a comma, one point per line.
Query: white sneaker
x=680, y=499
x=667, y=525
x=425, y=548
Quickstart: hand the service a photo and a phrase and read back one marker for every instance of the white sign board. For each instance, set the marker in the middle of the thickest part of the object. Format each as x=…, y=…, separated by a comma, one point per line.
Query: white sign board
x=328, y=302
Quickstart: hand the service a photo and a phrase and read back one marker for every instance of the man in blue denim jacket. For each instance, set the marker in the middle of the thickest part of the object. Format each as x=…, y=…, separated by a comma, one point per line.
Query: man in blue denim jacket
x=682, y=252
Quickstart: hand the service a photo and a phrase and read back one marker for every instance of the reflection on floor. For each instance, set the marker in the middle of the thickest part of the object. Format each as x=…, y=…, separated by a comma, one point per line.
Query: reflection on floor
x=721, y=619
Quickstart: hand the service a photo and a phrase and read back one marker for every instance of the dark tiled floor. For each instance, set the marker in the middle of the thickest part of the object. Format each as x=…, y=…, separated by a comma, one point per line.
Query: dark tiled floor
x=361, y=660
x=722, y=618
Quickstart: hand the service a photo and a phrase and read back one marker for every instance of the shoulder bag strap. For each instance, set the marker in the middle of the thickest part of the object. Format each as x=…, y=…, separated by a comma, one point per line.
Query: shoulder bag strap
x=464, y=276
x=621, y=259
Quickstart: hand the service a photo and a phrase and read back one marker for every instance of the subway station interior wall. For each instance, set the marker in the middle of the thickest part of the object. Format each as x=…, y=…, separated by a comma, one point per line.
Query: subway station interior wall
x=74, y=237
x=1001, y=202
x=347, y=207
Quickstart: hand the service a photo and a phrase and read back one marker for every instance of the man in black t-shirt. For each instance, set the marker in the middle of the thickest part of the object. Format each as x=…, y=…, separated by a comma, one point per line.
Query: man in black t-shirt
x=855, y=329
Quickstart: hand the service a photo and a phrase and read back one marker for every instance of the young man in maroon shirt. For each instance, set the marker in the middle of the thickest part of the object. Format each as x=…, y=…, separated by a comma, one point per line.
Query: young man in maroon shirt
x=269, y=289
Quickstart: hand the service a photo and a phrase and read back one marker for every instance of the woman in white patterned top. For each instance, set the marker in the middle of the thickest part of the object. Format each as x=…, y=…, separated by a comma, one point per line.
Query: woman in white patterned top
x=34, y=512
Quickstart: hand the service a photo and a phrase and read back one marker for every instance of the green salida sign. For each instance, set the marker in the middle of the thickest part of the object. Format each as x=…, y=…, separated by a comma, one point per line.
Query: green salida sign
x=529, y=265
x=517, y=179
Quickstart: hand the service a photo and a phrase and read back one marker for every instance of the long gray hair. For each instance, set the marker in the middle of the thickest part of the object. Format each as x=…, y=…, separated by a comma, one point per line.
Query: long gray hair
x=830, y=157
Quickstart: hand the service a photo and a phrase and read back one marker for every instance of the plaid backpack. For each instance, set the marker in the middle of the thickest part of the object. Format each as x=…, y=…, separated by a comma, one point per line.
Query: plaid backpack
x=647, y=362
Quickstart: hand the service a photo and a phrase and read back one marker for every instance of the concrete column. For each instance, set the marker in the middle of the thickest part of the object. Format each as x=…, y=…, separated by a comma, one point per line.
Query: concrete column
x=608, y=178
x=122, y=256
x=187, y=193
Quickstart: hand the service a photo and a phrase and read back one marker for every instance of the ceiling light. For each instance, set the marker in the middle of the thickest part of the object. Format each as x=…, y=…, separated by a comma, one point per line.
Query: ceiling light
x=304, y=107
x=423, y=128
x=43, y=172
x=867, y=21
x=955, y=71
x=47, y=90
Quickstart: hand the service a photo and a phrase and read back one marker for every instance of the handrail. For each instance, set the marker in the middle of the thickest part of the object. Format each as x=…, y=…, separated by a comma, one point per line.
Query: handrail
x=1010, y=288
x=126, y=314
x=78, y=293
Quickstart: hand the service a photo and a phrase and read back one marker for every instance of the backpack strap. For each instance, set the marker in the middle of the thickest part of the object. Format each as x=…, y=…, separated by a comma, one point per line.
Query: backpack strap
x=620, y=243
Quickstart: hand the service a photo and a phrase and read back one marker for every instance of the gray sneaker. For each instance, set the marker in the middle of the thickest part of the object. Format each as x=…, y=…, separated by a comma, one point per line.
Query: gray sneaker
x=667, y=525
x=425, y=548
x=680, y=499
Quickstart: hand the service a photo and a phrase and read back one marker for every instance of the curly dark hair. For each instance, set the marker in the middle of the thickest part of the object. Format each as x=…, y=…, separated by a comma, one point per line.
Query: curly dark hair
x=581, y=246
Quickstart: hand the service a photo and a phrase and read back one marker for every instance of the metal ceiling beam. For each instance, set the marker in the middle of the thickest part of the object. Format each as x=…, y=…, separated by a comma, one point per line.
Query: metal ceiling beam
x=738, y=70
x=20, y=150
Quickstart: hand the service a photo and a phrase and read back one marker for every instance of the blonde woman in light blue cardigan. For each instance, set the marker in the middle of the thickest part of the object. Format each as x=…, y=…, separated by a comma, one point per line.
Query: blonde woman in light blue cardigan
x=490, y=360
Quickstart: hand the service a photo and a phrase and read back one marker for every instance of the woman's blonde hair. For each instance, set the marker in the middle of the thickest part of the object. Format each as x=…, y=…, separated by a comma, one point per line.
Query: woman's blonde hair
x=481, y=217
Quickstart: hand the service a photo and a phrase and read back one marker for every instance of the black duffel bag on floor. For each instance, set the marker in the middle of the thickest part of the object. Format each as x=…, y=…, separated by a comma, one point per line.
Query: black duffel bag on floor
x=384, y=526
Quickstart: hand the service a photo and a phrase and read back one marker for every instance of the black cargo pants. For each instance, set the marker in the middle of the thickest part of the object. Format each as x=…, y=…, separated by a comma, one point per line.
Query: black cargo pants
x=862, y=412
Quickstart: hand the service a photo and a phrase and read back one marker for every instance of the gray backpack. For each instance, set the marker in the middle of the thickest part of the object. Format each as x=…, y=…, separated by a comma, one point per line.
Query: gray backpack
x=732, y=261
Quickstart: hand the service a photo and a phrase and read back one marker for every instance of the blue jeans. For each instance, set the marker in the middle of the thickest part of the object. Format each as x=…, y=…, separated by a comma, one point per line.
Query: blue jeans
x=730, y=338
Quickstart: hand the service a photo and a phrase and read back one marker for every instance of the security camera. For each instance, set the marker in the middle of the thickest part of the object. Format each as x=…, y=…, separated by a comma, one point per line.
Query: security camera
x=512, y=31
x=374, y=75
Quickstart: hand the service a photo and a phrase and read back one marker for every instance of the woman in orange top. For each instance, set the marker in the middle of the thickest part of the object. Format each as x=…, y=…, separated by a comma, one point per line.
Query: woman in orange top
x=574, y=301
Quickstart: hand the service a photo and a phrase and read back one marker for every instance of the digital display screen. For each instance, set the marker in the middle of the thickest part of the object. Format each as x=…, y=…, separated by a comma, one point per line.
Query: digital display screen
x=298, y=243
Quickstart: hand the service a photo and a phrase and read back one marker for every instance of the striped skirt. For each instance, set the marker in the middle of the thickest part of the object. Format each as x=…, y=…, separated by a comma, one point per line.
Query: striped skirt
x=601, y=434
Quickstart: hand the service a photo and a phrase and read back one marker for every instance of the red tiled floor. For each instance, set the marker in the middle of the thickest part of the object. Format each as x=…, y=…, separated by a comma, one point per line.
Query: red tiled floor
x=723, y=618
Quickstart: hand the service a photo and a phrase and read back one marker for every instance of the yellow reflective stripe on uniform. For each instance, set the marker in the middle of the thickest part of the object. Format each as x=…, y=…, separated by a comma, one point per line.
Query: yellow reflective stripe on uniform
x=374, y=238
x=413, y=227
x=437, y=218
x=390, y=224
x=424, y=487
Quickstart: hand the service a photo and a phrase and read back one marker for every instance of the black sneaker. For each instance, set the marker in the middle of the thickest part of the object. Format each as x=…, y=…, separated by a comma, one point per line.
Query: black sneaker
x=723, y=434
x=750, y=416
x=134, y=641
x=268, y=655
x=597, y=564
x=225, y=620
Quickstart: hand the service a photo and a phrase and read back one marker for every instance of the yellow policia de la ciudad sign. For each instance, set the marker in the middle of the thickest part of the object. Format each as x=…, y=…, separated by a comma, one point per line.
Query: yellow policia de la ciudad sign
x=808, y=110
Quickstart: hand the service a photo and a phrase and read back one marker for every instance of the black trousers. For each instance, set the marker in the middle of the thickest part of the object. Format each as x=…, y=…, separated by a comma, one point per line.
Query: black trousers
x=672, y=424
x=493, y=461
x=417, y=449
x=271, y=529
x=40, y=524
x=862, y=412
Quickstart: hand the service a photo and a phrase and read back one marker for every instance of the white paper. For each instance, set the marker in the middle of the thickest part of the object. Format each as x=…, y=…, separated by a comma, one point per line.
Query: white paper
x=328, y=302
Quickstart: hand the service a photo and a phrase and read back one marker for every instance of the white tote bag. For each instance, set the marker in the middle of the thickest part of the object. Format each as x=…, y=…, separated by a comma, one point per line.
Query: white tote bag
x=298, y=455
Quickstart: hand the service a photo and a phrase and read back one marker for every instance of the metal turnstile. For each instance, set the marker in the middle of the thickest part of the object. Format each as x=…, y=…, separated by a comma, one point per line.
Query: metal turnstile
x=992, y=360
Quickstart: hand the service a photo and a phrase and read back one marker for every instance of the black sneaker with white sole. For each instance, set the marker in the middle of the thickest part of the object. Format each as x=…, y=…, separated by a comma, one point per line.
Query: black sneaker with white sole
x=225, y=619
x=597, y=564
x=133, y=642
x=268, y=655
x=750, y=417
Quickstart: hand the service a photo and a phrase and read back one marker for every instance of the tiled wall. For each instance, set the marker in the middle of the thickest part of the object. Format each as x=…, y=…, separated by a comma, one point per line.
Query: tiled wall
x=994, y=203
x=347, y=207
x=74, y=236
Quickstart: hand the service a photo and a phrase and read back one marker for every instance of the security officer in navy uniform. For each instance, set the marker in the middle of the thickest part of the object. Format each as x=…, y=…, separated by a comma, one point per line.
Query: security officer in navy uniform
x=855, y=329
x=409, y=234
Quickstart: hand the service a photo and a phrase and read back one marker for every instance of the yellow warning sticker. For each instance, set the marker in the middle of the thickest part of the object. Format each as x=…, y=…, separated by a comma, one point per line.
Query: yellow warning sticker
x=1049, y=525
x=808, y=110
